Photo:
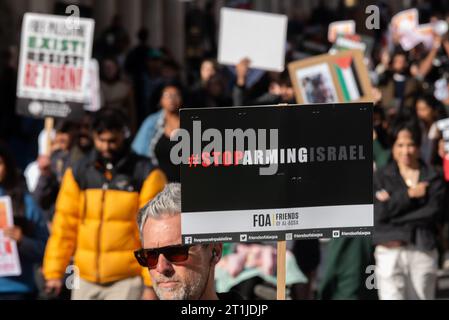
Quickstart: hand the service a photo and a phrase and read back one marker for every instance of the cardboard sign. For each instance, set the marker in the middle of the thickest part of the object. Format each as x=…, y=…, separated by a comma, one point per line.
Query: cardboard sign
x=54, y=66
x=244, y=34
x=321, y=185
x=9, y=256
x=342, y=77
x=337, y=28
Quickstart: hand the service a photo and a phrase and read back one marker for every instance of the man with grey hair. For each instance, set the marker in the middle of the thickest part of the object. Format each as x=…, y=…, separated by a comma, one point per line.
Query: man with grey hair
x=179, y=272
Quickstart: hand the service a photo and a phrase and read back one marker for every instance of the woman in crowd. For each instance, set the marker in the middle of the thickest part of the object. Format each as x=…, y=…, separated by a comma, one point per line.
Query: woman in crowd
x=208, y=69
x=428, y=110
x=153, y=138
x=408, y=205
x=29, y=231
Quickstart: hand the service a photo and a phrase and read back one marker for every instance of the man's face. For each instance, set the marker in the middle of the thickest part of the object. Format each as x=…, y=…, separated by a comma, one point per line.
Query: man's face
x=287, y=93
x=109, y=143
x=63, y=141
x=180, y=281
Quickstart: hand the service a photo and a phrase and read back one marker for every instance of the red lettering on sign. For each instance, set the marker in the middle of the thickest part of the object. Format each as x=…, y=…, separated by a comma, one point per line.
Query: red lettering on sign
x=30, y=75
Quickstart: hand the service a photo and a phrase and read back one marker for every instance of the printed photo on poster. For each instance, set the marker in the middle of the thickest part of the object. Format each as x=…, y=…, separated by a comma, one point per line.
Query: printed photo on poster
x=331, y=78
x=316, y=84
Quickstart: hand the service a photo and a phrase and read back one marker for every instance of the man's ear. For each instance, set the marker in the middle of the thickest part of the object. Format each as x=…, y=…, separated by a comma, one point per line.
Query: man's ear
x=217, y=251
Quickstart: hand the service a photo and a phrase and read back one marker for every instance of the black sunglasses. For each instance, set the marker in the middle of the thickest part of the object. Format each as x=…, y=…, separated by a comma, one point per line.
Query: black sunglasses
x=175, y=254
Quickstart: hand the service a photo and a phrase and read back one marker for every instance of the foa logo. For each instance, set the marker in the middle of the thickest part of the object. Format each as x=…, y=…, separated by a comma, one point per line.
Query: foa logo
x=280, y=219
x=262, y=220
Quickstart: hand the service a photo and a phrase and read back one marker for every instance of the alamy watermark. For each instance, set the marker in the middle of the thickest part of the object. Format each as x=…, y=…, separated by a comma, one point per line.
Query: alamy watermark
x=372, y=22
x=72, y=282
x=73, y=21
x=371, y=282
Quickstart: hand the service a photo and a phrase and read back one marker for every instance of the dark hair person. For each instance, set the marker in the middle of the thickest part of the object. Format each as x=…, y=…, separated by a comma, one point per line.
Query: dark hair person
x=153, y=138
x=29, y=231
x=428, y=111
x=407, y=207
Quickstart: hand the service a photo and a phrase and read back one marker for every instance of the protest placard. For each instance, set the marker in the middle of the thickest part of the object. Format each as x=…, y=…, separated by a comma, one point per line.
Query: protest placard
x=9, y=257
x=54, y=65
x=423, y=33
x=336, y=28
x=318, y=182
x=331, y=78
x=349, y=42
x=405, y=21
x=244, y=34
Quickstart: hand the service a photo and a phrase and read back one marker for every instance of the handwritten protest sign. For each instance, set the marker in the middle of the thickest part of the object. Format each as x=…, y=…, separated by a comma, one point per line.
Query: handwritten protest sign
x=9, y=257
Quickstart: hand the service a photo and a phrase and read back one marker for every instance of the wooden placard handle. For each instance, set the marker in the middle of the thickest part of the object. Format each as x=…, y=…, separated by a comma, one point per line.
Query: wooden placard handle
x=281, y=272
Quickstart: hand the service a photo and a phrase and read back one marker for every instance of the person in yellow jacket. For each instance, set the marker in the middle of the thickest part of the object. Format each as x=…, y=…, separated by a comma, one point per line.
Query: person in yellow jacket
x=95, y=217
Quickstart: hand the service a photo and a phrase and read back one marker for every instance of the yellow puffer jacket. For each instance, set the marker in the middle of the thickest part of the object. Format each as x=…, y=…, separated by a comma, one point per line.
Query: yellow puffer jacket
x=95, y=219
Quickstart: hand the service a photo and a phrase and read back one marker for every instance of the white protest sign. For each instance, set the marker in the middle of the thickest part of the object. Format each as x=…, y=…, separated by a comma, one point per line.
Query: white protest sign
x=9, y=256
x=426, y=34
x=405, y=21
x=441, y=91
x=443, y=126
x=423, y=33
x=93, y=99
x=409, y=40
x=53, y=66
x=343, y=43
x=346, y=27
x=258, y=36
x=446, y=134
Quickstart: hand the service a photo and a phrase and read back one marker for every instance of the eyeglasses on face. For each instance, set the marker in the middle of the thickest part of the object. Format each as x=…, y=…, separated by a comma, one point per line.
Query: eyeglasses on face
x=174, y=254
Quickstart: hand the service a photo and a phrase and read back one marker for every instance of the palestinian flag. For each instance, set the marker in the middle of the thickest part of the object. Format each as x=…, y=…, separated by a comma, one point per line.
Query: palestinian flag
x=347, y=77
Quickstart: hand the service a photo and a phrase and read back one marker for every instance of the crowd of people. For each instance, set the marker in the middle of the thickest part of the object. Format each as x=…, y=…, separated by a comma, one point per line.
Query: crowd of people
x=78, y=203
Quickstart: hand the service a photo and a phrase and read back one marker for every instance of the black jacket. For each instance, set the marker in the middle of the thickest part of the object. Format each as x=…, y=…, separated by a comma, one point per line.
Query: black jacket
x=400, y=218
x=128, y=174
